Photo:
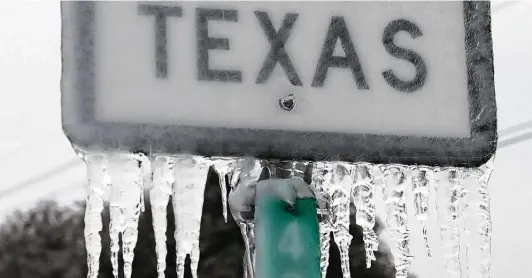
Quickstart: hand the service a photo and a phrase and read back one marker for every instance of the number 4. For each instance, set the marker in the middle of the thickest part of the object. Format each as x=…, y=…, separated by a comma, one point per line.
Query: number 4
x=290, y=241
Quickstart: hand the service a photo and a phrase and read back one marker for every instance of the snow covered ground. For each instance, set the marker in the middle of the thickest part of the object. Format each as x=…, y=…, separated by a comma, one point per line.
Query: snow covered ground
x=36, y=160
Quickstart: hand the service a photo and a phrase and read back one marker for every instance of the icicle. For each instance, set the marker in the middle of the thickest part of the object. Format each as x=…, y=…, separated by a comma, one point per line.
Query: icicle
x=397, y=218
x=449, y=193
x=421, y=178
x=321, y=179
x=377, y=172
x=163, y=181
x=97, y=182
x=294, y=169
x=486, y=227
x=340, y=192
x=125, y=206
x=246, y=173
x=475, y=222
x=364, y=201
x=485, y=222
x=224, y=167
x=190, y=177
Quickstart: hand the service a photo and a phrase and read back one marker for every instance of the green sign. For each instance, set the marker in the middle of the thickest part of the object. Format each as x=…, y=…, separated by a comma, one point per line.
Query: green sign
x=287, y=239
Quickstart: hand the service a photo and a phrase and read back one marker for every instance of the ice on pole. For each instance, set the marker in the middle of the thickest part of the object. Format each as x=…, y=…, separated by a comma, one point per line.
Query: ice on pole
x=246, y=173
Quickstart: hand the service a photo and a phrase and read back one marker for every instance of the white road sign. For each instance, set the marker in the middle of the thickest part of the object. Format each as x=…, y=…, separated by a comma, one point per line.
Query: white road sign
x=407, y=82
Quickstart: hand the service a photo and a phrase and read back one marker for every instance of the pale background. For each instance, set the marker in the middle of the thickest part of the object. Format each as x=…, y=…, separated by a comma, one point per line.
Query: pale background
x=36, y=160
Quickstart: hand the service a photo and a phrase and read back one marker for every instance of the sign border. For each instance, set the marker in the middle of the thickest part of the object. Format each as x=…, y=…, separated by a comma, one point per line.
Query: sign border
x=82, y=129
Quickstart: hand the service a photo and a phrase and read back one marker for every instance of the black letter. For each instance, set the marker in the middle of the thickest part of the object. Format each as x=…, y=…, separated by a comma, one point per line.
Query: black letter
x=204, y=44
x=161, y=52
x=421, y=69
x=277, y=51
x=338, y=30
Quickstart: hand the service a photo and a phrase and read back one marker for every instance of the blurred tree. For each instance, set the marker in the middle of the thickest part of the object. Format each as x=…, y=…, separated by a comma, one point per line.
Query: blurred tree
x=47, y=242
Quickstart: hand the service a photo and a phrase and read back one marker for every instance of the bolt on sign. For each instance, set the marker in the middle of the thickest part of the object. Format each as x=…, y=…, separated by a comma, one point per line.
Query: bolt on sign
x=381, y=82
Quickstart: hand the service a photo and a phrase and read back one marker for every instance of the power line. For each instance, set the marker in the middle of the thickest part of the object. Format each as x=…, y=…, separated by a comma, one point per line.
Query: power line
x=515, y=128
x=514, y=140
x=501, y=5
x=44, y=176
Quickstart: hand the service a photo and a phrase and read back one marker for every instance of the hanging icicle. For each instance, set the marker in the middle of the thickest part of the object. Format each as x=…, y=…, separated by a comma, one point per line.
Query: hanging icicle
x=340, y=192
x=224, y=168
x=485, y=216
x=449, y=193
x=127, y=178
x=190, y=178
x=321, y=179
x=160, y=192
x=421, y=182
x=364, y=200
x=397, y=217
x=97, y=182
x=245, y=176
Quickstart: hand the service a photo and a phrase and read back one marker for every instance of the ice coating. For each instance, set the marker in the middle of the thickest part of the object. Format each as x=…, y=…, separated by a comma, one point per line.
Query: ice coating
x=364, y=200
x=475, y=223
x=340, y=192
x=224, y=167
x=397, y=217
x=160, y=192
x=449, y=193
x=127, y=178
x=190, y=177
x=97, y=182
x=246, y=173
x=421, y=179
x=485, y=219
x=460, y=194
x=321, y=179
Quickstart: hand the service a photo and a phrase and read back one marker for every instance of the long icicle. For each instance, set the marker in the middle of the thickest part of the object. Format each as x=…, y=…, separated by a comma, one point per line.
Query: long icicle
x=125, y=206
x=341, y=186
x=485, y=213
x=449, y=193
x=421, y=179
x=160, y=192
x=223, y=167
x=188, y=194
x=321, y=179
x=364, y=201
x=97, y=182
x=397, y=217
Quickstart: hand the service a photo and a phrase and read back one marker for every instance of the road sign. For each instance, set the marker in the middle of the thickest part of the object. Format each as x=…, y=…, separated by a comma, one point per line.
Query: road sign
x=381, y=82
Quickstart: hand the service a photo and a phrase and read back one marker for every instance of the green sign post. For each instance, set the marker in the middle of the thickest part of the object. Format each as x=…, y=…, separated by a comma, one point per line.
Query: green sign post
x=287, y=238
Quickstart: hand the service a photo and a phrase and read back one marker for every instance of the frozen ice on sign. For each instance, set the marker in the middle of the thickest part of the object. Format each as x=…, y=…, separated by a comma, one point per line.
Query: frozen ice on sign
x=385, y=122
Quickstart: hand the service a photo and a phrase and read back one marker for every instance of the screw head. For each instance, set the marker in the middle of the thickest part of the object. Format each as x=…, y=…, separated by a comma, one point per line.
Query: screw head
x=288, y=103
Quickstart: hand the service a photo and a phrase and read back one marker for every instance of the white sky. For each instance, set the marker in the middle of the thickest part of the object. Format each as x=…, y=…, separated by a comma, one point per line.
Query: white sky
x=32, y=145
